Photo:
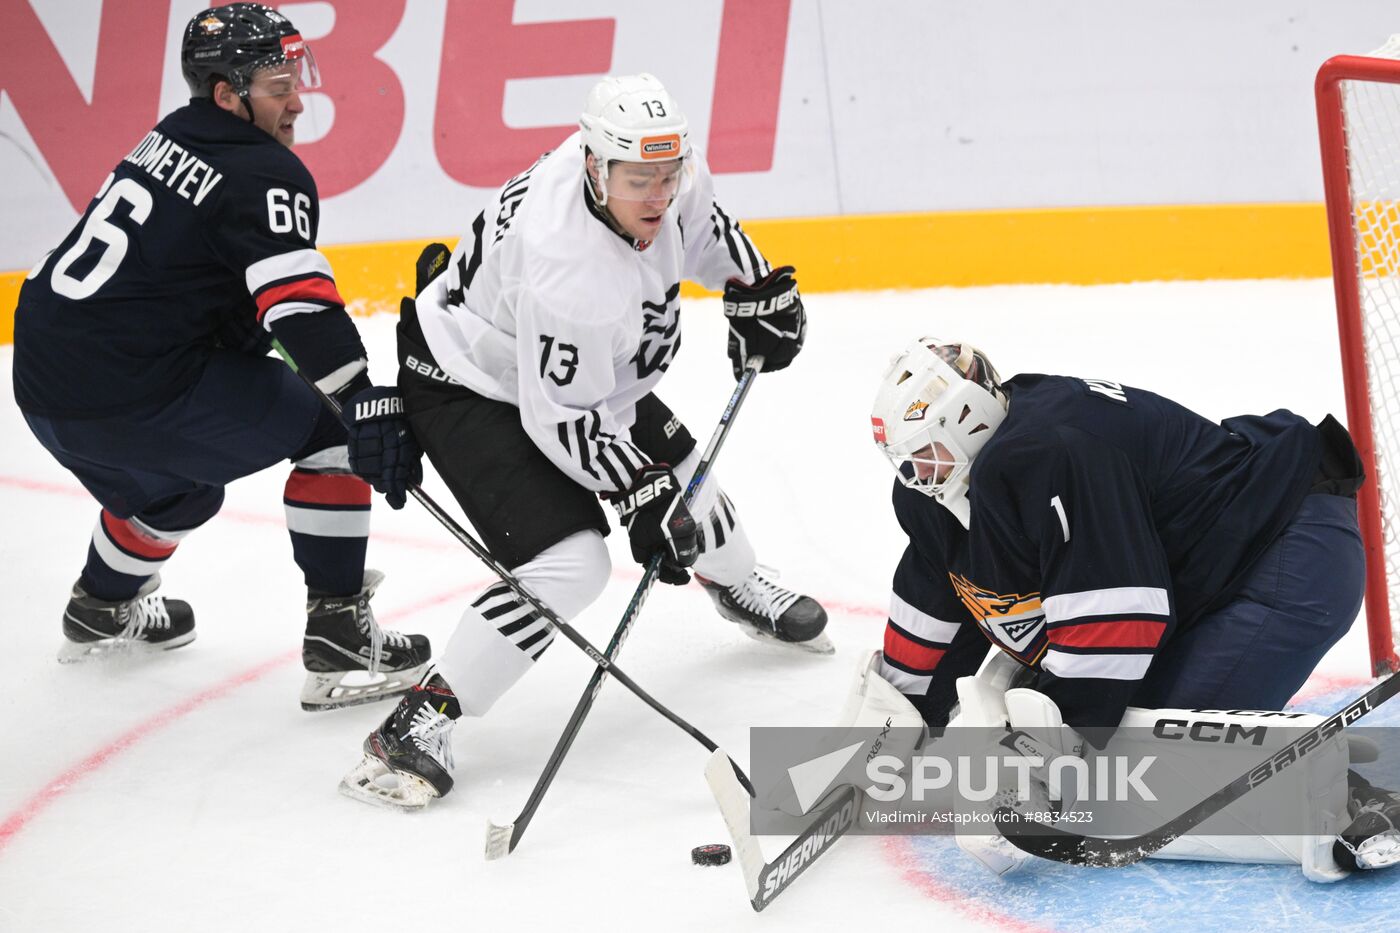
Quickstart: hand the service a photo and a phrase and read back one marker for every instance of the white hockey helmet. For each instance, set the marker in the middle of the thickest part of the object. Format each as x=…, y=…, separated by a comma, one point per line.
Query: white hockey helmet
x=938, y=404
x=631, y=118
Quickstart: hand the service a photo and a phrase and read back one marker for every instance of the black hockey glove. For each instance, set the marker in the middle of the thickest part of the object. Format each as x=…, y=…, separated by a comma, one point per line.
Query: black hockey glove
x=765, y=318
x=656, y=519
x=432, y=262
x=383, y=451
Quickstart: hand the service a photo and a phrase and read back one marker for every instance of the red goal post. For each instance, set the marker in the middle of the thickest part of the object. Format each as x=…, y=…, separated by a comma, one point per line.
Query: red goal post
x=1358, y=115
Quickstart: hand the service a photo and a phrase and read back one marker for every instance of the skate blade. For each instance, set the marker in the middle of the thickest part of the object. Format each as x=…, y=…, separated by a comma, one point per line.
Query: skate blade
x=339, y=689
x=374, y=783
x=821, y=644
x=498, y=840
x=112, y=649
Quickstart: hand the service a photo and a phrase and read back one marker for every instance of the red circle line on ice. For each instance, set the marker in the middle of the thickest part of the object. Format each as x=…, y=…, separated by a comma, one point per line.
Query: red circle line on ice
x=47, y=795
x=896, y=850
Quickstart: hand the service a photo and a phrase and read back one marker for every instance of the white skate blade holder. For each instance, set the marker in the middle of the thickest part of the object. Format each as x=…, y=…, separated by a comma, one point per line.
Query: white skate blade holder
x=339, y=689
x=1380, y=851
x=117, y=648
x=821, y=644
x=374, y=783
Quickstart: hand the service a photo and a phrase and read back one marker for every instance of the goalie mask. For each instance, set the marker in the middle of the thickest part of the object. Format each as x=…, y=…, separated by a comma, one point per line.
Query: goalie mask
x=632, y=119
x=937, y=406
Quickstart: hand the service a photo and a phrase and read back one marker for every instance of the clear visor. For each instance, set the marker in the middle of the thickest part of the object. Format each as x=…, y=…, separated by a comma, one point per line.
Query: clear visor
x=295, y=75
x=641, y=181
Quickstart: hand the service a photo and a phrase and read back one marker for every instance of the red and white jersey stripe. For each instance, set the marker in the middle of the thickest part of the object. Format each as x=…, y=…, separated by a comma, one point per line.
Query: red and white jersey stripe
x=128, y=546
x=914, y=644
x=328, y=505
x=1109, y=633
x=295, y=282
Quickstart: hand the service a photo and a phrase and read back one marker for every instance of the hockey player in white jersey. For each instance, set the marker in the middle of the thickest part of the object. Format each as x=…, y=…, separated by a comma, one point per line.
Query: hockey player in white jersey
x=528, y=367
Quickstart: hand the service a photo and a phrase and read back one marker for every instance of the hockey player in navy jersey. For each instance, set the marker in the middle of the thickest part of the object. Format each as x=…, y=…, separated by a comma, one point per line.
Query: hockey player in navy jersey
x=1123, y=550
x=528, y=370
x=141, y=364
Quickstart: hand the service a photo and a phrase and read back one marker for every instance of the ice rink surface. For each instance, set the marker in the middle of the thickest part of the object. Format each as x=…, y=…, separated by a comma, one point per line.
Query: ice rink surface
x=190, y=792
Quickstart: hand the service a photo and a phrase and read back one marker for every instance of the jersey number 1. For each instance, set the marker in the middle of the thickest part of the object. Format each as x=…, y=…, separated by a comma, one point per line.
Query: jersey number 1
x=99, y=229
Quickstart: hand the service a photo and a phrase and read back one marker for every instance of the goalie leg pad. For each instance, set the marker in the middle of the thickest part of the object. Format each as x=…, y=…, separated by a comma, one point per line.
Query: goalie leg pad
x=1038, y=730
x=1314, y=792
x=878, y=713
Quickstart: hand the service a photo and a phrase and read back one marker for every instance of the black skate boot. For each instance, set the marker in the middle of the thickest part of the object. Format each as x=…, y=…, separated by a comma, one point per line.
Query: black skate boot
x=1372, y=838
x=408, y=759
x=141, y=624
x=349, y=659
x=769, y=612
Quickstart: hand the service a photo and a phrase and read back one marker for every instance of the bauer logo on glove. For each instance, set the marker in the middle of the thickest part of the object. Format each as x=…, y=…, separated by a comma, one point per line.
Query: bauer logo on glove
x=760, y=307
x=765, y=319
x=656, y=519
x=655, y=488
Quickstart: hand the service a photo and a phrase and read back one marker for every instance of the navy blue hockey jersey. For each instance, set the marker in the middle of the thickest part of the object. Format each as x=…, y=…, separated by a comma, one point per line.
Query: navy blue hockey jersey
x=207, y=227
x=1104, y=520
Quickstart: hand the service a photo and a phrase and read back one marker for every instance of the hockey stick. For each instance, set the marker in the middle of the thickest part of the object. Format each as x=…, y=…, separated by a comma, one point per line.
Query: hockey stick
x=502, y=840
x=510, y=580
x=1100, y=852
x=766, y=880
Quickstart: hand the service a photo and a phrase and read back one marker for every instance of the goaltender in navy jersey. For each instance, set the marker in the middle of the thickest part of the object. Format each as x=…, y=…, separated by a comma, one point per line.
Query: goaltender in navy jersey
x=1105, y=521
x=547, y=308
x=204, y=231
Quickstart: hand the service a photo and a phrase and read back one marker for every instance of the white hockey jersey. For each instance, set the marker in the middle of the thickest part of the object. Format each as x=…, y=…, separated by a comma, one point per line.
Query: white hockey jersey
x=546, y=307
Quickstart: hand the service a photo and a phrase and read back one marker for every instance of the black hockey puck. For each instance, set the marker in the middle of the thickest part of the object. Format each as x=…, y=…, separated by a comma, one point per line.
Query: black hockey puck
x=716, y=853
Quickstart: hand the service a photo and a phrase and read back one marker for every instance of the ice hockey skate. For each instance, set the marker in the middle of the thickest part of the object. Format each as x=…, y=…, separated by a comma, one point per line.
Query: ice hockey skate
x=349, y=659
x=772, y=613
x=408, y=759
x=143, y=624
x=1372, y=838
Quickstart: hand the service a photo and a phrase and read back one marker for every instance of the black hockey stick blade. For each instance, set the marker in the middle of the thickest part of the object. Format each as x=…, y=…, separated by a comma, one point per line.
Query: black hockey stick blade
x=766, y=880
x=1103, y=852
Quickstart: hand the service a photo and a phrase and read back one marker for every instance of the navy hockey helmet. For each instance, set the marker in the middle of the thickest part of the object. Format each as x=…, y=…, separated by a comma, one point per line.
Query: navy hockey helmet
x=234, y=42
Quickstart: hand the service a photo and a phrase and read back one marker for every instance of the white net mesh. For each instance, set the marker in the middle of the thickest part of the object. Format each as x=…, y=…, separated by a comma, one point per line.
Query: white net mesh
x=1372, y=116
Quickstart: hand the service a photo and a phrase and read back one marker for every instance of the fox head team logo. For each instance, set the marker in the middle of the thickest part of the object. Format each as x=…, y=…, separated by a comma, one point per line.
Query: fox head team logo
x=1014, y=622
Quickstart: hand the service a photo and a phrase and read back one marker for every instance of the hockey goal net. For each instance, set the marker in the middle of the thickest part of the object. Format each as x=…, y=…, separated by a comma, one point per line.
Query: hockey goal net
x=1358, y=111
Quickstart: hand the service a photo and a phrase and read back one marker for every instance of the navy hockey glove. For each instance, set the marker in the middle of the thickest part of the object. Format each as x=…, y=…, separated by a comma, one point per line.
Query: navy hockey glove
x=657, y=520
x=383, y=451
x=765, y=318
